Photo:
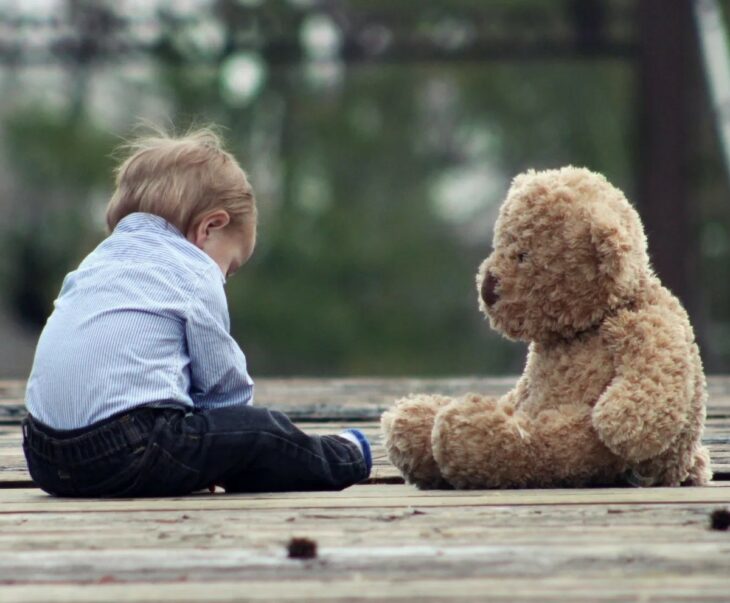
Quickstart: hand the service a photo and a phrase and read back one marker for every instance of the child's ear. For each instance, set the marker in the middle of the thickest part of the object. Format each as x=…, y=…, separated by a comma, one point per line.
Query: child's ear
x=201, y=231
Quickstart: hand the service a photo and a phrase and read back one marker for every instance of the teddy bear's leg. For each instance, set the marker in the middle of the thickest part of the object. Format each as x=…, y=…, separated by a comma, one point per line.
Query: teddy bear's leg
x=407, y=438
x=700, y=473
x=482, y=442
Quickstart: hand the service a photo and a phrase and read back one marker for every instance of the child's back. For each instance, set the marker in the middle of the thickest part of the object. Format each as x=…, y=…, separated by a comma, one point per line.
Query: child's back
x=116, y=339
x=137, y=386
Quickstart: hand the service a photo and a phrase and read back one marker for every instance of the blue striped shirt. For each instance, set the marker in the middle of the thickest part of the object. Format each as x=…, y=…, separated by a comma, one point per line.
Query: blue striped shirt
x=142, y=321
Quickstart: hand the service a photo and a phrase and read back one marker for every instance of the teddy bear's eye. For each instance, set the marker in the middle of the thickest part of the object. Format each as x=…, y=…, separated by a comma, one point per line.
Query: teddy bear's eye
x=521, y=257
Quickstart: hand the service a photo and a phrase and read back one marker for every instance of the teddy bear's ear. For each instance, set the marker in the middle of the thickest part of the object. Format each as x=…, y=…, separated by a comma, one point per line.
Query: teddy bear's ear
x=607, y=240
x=620, y=260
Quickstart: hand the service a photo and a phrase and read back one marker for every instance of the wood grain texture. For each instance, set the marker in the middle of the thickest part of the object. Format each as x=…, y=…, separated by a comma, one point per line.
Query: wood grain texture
x=366, y=496
x=554, y=551
x=353, y=587
x=359, y=399
x=375, y=541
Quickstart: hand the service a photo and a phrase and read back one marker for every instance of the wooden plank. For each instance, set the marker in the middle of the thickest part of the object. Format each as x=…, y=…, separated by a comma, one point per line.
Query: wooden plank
x=356, y=399
x=353, y=587
x=270, y=529
x=397, y=561
x=364, y=496
x=621, y=549
x=375, y=542
x=578, y=555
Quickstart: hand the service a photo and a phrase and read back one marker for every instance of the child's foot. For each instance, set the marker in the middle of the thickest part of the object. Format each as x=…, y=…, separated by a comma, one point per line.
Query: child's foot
x=358, y=437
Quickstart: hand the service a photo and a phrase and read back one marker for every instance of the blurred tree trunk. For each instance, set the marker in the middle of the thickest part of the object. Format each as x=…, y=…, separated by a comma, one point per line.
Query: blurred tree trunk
x=668, y=64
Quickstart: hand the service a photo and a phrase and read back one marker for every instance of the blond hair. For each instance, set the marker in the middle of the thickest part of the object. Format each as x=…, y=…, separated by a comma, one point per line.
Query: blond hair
x=180, y=179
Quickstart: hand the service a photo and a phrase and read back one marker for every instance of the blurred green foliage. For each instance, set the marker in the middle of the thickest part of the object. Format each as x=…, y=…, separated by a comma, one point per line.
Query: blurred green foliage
x=377, y=184
x=60, y=160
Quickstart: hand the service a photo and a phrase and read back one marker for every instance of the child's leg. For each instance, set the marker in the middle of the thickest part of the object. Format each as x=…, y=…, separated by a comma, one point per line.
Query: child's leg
x=252, y=449
x=167, y=452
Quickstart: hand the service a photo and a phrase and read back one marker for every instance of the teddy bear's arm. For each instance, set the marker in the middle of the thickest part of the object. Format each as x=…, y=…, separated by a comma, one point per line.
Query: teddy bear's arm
x=645, y=406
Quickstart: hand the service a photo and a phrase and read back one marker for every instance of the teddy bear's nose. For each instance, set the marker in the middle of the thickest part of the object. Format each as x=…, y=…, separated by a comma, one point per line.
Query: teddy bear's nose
x=489, y=293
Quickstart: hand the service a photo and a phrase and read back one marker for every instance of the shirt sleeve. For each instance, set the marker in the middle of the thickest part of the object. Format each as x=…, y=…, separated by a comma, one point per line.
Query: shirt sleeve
x=218, y=371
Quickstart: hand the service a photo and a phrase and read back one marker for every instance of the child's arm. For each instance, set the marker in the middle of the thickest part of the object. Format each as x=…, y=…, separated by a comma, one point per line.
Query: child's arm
x=219, y=374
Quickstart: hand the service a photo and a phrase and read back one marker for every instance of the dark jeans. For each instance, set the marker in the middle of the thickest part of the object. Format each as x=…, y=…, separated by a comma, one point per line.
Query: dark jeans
x=170, y=452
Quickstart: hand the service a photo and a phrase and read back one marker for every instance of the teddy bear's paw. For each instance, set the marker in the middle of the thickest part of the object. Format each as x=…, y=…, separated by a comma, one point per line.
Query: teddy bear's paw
x=700, y=474
x=480, y=443
x=407, y=439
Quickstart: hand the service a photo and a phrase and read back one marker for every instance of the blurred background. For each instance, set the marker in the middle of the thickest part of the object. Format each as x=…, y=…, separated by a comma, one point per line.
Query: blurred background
x=381, y=137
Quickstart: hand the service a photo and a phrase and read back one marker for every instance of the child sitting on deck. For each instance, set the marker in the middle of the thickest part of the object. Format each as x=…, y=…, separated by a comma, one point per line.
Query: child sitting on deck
x=137, y=387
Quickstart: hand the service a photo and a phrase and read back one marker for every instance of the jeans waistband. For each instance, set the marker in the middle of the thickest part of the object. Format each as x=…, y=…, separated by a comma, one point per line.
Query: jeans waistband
x=130, y=429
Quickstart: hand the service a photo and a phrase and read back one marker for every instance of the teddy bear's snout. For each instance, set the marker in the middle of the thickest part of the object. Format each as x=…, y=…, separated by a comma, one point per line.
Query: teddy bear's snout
x=489, y=290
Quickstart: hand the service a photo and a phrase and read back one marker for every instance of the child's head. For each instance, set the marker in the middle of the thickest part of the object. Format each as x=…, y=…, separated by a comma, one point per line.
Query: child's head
x=194, y=184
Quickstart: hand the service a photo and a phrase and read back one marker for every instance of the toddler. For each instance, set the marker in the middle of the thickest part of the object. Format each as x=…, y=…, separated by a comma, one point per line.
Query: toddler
x=137, y=387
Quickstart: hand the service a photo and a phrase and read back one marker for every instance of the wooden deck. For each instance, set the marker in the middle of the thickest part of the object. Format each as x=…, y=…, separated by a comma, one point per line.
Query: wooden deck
x=381, y=540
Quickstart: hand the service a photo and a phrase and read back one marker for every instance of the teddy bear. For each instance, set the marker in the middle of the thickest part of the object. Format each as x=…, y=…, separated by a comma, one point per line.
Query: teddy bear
x=613, y=391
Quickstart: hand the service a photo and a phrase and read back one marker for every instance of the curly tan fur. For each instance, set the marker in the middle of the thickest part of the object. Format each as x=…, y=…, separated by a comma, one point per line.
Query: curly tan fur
x=613, y=391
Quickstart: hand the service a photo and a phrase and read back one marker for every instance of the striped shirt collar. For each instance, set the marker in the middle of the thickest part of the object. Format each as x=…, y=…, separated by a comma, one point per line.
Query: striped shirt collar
x=144, y=222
